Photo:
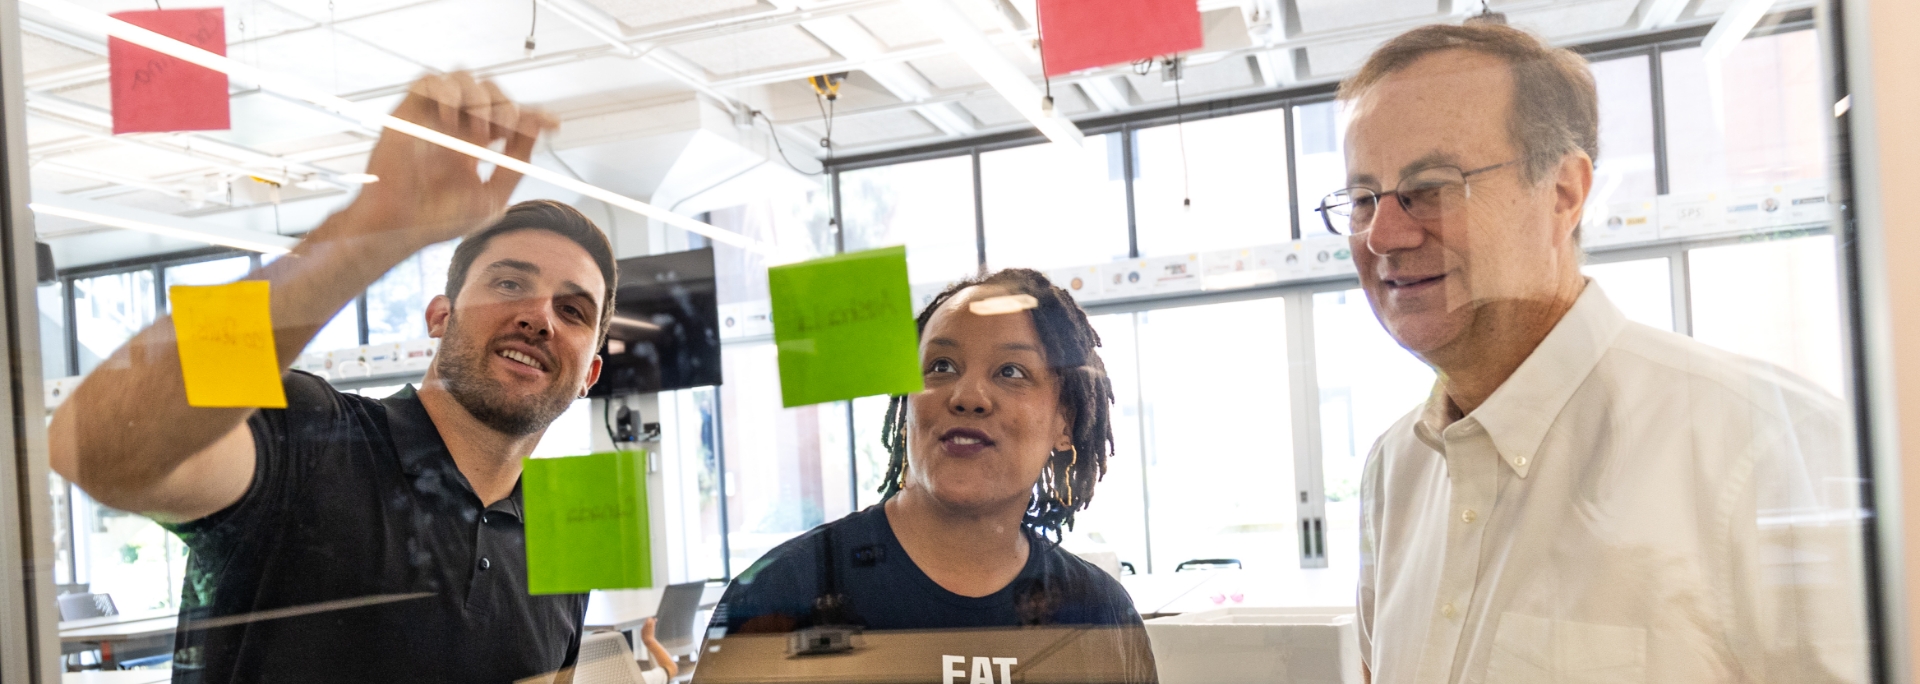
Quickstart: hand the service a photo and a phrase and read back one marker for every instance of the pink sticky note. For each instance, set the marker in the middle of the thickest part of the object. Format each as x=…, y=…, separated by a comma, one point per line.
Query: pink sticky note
x=156, y=93
x=1083, y=34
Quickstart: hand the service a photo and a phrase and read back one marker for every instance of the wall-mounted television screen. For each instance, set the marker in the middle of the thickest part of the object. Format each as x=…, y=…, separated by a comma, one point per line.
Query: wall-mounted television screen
x=665, y=333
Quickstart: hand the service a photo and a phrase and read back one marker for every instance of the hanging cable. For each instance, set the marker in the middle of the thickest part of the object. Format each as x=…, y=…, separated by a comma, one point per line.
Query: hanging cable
x=532, y=24
x=1176, y=68
x=783, y=151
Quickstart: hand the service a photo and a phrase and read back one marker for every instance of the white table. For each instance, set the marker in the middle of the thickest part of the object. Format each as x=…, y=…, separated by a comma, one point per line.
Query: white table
x=1197, y=590
x=155, y=676
x=153, y=627
x=621, y=609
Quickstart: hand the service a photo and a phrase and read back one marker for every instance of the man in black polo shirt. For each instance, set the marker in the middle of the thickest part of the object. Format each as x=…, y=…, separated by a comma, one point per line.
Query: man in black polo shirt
x=344, y=538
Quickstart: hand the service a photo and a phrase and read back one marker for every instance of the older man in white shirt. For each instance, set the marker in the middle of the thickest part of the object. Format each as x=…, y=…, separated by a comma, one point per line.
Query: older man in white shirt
x=1582, y=499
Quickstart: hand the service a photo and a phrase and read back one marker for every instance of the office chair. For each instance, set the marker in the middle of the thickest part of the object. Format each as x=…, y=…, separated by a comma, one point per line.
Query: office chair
x=82, y=606
x=1209, y=564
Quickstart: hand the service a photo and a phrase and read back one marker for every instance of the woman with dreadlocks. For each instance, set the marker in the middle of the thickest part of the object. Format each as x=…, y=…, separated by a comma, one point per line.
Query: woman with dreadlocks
x=988, y=464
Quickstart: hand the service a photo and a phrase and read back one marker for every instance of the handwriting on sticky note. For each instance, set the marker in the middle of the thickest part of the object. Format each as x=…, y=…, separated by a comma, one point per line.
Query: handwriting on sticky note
x=844, y=327
x=154, y=92
x=227, y=353
x=586, y=523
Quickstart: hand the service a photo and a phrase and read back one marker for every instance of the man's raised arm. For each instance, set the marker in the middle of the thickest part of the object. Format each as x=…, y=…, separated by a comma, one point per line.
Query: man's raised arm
x=127, y=436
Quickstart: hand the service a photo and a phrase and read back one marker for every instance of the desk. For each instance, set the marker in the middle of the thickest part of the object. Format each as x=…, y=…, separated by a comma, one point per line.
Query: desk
x=1195, y=590
x=118, y=632
x=155, y=676
x=621, y=609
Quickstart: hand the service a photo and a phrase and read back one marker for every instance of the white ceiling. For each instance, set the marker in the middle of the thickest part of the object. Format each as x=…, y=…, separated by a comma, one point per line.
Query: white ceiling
x=630, y=111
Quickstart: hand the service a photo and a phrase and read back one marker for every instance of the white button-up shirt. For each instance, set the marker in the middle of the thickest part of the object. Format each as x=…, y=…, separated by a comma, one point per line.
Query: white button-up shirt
x=1629, y=506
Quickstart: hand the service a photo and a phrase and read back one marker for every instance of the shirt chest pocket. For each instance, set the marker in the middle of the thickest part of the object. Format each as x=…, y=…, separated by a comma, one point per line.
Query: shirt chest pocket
x=1540, y=650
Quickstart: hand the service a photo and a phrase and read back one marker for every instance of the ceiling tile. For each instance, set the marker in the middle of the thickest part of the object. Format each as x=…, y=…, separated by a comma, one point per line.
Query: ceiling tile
x=336, y=63
x=467, y=34
x=1339, y=59
x=41, y=130
x=1327, y=15
x=754, y=50
x=571, y=81
x=95, y=94
x=896, y=26
x=991, y=111
x=874, y=129
x=1591, y=17
x=255, y=20
x=1711, y=8
x=640, y=14
x=323, y=11
x=41, y=54
x=947, y=72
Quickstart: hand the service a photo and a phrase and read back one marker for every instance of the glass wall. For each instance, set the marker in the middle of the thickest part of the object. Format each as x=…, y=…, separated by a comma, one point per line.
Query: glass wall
x=1050, y=205
x=1212, y=184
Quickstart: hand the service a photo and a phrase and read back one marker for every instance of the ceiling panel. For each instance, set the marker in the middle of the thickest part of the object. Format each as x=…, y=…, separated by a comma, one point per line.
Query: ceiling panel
x=738, y=53
x=1556, y=22
x=640, y=14
x=1328, y=15
x=41, y=54
x=323, y=11
x=1339, y=59
x=1709, y=8
x=991, y=110
x=255, y=20
x=336, y=63
x=570, y=82
x=94, y=94
x=466, y=34
x=1226, y=74
x=896, y=26
x=41, y=130
x=947, y=72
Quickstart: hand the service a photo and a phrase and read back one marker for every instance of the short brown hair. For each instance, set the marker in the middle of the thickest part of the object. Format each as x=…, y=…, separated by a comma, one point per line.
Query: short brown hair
x=1555, y=107
x=550, y=216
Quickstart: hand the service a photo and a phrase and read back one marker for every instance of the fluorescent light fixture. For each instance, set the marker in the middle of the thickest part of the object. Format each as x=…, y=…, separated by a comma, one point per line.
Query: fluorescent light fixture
x=83, y=18
x=168, y=225
x=357, y=178
x=995, y=306
x=959, y=33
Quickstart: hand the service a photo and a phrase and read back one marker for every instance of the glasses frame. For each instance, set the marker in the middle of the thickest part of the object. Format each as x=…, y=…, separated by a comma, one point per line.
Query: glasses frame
x=1328, y=203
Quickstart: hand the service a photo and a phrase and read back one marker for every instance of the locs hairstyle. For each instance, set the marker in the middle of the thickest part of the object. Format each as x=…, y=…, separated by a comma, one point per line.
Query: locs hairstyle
x=1066, y=483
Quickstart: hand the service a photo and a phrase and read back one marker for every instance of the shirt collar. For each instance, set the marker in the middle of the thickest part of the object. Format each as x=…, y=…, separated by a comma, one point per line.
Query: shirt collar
x=1524, y=407
x=417, y=442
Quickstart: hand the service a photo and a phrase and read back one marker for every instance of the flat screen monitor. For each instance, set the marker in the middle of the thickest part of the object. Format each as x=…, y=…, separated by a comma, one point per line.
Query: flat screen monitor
x=665, y=333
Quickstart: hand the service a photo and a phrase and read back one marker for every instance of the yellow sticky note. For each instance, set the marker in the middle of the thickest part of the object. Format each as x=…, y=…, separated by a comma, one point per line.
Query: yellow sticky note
x=226, y=345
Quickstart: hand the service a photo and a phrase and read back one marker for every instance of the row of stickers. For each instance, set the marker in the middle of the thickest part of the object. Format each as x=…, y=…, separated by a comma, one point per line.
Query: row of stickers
x=1706, y=214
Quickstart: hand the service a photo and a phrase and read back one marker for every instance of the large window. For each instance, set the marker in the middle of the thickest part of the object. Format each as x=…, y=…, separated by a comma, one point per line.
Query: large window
x=1051, y=205
x=1213, y=184
x=214, y=272
x=1367, y=382
x=108, y=310
x=1625, y=169
x=1642, y=288
x=1756, y=119
x=787, y=470
x=1778, y=301
x=397, y=302
x=1319, y=132
x=1218, y=450
x=927, y=206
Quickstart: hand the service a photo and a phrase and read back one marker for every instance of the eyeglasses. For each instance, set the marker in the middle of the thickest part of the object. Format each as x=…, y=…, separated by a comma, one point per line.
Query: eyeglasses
x=1428, y=194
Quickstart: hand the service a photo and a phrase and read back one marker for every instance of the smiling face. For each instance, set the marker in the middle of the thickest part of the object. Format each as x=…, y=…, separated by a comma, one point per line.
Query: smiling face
x=1431, y=281
x=990, y=415
x=518, y=345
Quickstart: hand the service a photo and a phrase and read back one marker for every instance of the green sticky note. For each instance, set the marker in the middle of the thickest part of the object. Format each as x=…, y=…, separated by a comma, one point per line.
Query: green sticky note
x=586, y=523
x=844, y=327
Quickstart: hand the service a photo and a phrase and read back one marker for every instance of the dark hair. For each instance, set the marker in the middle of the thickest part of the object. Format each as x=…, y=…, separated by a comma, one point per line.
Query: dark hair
x=550, y=216
x=1085, y=391
x=1556, y=109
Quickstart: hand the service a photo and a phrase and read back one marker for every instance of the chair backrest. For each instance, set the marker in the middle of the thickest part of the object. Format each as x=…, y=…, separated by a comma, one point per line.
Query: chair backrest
x=1208, y=564
x=82, y=606
x=674, y=624
x=605, y=659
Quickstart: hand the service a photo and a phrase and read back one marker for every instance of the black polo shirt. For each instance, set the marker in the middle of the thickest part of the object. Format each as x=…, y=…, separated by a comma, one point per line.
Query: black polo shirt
x=356, y=502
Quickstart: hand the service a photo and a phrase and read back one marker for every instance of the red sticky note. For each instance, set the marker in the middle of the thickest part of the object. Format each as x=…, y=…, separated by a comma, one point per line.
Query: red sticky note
x=1083, y=34
x=155, y=93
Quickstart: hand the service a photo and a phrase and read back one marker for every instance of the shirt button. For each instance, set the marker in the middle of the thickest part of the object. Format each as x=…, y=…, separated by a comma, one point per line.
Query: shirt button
x=486, y=519
x=484, y=564
x=1468, y=516
x=1447, y=610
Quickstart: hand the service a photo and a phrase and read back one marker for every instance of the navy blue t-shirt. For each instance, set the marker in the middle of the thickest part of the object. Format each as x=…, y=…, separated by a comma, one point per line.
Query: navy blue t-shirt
x=884, y=590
